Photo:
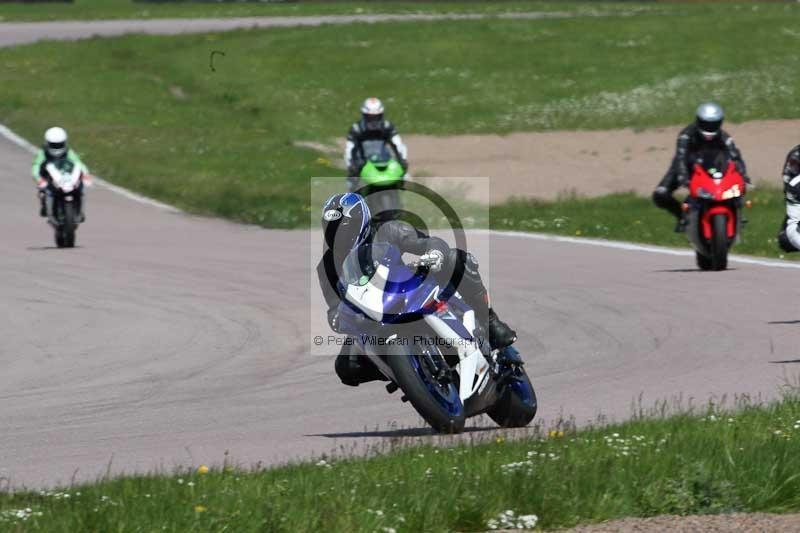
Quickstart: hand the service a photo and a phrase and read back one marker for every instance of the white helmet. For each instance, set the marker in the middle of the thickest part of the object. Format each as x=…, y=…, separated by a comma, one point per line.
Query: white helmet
x=709, y=119
x=372, y=113
x=55, y=142
x=372, y=106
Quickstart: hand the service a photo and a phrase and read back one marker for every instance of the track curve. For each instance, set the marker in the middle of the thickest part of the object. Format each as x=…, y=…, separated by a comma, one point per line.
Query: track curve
x=167, y=339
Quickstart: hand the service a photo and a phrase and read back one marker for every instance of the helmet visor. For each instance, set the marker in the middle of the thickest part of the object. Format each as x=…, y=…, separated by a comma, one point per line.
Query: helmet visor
x=373, y=122
x=341, y=236
x=709, y=127
x=56, y=149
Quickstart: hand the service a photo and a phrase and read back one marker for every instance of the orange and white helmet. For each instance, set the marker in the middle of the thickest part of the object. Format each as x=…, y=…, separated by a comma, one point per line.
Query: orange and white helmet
x=372, y=106
x=372, y=113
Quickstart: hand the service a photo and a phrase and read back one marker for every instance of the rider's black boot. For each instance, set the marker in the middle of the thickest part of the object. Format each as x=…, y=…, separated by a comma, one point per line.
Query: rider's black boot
x=680, y=226
x=500, y=334
x=354, y=370
x=42, y=206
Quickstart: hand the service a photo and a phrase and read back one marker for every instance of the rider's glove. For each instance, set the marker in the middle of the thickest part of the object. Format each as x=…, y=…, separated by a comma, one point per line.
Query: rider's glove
x=42, y=184
x=433, y=259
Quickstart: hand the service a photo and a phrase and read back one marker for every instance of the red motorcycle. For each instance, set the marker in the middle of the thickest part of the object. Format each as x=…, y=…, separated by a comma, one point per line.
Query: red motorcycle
x=713, y=207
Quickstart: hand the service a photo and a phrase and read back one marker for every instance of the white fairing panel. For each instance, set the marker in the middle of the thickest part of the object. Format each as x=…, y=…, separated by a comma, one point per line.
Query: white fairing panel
x=793, y=212
x=369, y=297
x=65, y=182
x=473, y=364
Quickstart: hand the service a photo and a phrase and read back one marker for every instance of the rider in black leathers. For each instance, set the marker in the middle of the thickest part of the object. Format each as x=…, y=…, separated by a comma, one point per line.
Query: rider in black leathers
x=347, y=226
x=704, y=134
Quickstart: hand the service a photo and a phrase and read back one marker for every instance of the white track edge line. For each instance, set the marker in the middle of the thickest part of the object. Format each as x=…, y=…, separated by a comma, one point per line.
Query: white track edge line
x=620, y=245
x=130, y=195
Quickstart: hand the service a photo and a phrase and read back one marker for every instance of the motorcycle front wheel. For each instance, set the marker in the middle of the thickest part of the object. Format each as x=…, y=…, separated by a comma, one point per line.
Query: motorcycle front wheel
x=719, y=242
x=436, y=400
x=517, y=405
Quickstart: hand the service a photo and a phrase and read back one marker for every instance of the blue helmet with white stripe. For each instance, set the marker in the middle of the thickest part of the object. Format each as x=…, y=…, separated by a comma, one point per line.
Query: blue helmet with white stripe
x=345, y=222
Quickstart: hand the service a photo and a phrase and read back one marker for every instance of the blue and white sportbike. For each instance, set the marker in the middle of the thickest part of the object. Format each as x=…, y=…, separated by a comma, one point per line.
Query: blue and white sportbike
x=425, y=340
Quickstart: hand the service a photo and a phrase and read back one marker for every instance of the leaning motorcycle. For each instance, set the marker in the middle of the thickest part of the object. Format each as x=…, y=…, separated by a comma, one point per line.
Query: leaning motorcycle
x=380, y=175
x=64, y=202
x=713, y=207
x=427, y=342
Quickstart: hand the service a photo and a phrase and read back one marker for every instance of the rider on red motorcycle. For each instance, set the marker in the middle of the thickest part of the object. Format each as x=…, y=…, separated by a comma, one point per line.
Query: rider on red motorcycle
x=704, y=134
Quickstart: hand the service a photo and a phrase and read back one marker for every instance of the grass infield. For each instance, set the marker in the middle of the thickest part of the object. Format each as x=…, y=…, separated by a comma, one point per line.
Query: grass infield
x=701, y=461
x=148, y=112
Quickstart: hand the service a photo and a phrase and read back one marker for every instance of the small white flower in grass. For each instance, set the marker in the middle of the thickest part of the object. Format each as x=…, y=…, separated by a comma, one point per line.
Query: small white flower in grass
x=389, y=530
x=190, y=484
x=510, y=520
x=180, y=481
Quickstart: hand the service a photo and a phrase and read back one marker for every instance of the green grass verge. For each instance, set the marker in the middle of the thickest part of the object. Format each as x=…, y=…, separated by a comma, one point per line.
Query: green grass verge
x=119, y=9
x=708, y=462
x=150, y=114
x=628, y=217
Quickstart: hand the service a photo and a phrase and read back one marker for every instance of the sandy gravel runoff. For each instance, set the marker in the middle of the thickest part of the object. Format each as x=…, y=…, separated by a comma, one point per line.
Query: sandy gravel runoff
x=590, y=163
x=730, y=523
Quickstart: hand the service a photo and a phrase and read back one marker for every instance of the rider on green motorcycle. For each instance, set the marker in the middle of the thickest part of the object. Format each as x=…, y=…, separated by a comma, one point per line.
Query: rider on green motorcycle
x=372, y=127
x=54, y=150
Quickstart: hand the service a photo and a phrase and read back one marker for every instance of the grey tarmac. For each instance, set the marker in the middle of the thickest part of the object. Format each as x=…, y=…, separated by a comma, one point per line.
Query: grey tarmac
x=167, y=339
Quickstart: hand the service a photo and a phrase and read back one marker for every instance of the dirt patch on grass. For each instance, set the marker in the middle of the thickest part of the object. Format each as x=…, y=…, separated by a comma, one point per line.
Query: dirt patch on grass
x=698, y=524
x=589, y=163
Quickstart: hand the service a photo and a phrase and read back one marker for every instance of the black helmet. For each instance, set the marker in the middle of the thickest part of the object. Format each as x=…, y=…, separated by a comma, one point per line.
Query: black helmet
x=709, y=119
x=345, y=222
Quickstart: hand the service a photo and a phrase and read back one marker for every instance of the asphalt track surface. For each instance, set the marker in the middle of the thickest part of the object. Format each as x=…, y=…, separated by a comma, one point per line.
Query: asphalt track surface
x=166, y=339
x=15, y=33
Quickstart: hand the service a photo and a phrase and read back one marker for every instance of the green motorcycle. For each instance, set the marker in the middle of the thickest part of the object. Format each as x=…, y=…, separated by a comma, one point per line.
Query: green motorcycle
x=380, y=175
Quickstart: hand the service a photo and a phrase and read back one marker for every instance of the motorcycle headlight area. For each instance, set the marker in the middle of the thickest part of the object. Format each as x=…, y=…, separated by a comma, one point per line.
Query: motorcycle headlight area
x=704, y=194
x=733, y=192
